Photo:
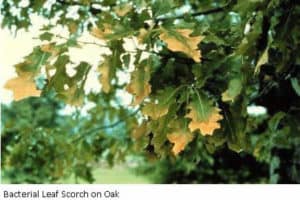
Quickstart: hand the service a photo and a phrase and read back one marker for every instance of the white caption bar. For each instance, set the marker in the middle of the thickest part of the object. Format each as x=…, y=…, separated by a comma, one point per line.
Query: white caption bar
x=149, y=192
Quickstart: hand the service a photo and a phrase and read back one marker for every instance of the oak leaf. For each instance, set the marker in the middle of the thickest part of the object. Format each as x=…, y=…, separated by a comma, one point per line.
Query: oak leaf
x=73, y=96
x=32, y=63
x=140, y=131
x=73, y=27
x=50, y=48
x=203, y=116
x=122, y=10
x=101, y=33
x=159, y=105
x=142, y=35
x=139, y=85
x=105, y=70
x=234, y=89
x=23, y=86
x=206, y=127
x=264, y=58
x=180, y=138
x=180, y=40
x=159, y=129
x=154, y=110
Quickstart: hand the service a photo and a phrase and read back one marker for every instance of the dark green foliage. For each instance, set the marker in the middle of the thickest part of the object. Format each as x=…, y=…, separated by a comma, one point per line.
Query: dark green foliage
x=249, y=56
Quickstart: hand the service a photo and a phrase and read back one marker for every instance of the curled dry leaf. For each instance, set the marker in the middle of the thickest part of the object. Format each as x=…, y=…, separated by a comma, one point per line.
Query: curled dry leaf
x=182, y=41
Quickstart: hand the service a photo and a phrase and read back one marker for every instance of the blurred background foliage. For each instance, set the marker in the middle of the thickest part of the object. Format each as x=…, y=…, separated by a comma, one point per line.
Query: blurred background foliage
x=42, y=144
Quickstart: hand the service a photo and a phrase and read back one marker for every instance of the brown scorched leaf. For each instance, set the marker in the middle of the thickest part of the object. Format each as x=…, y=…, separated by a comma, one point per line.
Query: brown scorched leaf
x=180, y=138
x=203, y=116
x=181, y=41
x=23, y=86
x=101, y=33
x=105, y=75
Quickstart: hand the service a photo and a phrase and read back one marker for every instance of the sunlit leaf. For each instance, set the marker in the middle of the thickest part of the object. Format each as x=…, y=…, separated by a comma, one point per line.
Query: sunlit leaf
x=105, y=70
x=123, y=9
x=23, y=86
x=102, y=32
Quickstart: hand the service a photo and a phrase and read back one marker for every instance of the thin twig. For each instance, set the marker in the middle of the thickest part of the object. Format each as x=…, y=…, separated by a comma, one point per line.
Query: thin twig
x=83, y=42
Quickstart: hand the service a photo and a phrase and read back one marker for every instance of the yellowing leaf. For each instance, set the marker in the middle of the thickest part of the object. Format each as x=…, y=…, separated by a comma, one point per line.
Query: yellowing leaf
x=23, y=86
x=227, y=97
x=74, y=96
x=262, y=60
x=234, y=89
x=141, y=36
x=140, y=131
x=181, y=41
x=204, y=116
x=72, y=26
x=123, y=9
x=180, y=138
x=46, y=48
x=49, y=48
x=160, y=103
x=105, y=75
x=101, y=33
x=207, y=126
x=139, y=85
x=155, y=111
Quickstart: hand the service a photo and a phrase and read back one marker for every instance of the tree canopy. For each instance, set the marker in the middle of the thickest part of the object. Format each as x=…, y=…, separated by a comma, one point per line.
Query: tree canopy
x=195, y=68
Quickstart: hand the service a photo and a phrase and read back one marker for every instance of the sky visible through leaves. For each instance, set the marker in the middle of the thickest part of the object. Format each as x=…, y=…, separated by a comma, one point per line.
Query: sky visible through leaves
x=14, y=47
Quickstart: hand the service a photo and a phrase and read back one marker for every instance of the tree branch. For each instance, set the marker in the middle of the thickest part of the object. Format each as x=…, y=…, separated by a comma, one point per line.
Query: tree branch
x=94, y=11
x=98, y=128
x=205, y=12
